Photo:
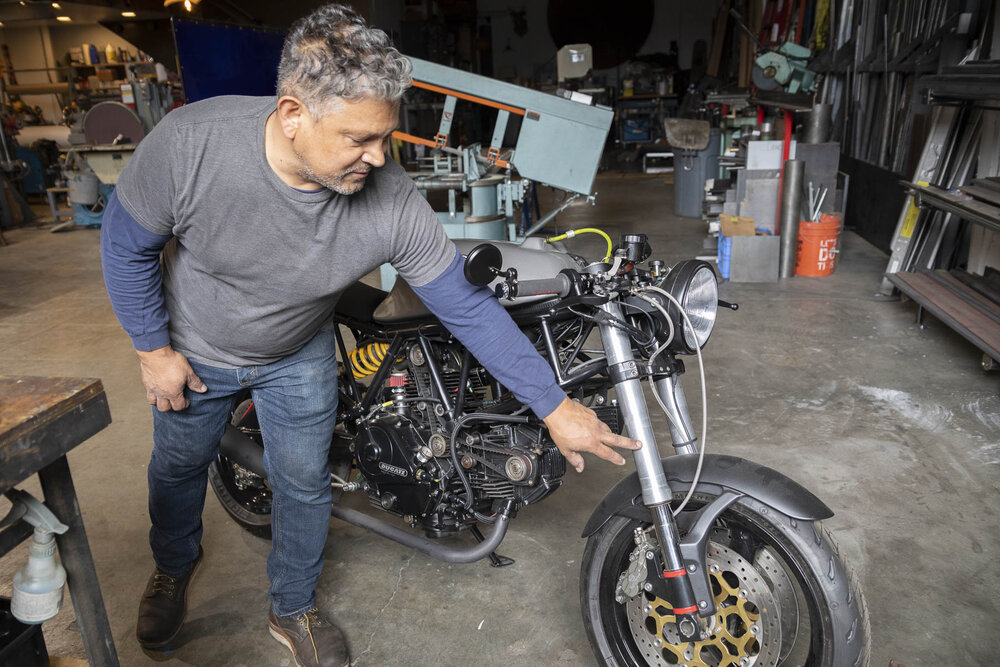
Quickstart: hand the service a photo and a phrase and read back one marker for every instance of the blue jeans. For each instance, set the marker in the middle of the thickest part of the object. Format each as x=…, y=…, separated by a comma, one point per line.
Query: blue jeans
x=296, y=402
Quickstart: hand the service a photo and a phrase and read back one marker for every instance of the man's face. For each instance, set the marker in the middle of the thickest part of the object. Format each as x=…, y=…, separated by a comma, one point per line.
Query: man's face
x=342, y=147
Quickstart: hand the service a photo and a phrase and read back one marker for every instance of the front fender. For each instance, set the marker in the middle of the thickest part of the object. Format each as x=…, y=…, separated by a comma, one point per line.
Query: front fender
x=745, y=477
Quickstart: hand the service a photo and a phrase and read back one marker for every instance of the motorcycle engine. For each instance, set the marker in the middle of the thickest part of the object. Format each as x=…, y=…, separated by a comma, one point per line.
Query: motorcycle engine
x=404, y=453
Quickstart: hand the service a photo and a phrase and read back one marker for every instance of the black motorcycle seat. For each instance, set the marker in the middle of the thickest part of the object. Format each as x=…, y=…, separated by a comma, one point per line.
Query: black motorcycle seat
x=359, y=301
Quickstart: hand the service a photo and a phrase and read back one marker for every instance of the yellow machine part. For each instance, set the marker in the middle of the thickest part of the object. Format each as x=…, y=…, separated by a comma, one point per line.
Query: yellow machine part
x=366, y=359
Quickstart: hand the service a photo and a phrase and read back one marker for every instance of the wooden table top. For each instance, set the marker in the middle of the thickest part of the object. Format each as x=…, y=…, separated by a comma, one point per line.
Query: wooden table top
x=42, y=418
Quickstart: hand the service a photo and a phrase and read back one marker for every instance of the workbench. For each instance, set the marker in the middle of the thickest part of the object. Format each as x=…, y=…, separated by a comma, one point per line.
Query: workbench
x=41, y=419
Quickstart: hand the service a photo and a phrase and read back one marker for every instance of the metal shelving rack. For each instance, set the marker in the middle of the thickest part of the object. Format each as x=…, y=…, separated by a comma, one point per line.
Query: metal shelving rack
x=965, y=136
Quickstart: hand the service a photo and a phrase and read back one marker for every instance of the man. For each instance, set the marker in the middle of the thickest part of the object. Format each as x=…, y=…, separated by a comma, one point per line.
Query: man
x=275, y=207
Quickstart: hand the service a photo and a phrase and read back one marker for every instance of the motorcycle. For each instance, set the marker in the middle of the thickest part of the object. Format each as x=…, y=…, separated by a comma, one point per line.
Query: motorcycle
x=694, y=559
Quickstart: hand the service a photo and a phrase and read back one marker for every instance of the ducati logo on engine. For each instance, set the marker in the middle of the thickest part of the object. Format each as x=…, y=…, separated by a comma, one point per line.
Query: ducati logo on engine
x=391, y=469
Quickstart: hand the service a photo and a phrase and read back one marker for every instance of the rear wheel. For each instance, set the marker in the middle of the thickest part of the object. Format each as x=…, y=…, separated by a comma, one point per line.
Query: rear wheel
x=783, y=595
x=245, y=496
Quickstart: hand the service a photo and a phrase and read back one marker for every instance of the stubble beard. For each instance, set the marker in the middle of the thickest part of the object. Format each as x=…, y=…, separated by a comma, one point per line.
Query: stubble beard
x=338, y=184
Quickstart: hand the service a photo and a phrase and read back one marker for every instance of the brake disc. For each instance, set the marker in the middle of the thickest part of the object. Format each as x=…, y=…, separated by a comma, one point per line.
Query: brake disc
x=745, y=631
x=781, y=588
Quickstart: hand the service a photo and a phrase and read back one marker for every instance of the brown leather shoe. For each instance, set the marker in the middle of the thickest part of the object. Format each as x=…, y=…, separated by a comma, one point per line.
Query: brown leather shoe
x=313, y=640
x=163, y=607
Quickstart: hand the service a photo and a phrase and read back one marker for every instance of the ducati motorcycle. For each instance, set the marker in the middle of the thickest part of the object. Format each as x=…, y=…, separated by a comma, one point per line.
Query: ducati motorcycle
x=694, y=559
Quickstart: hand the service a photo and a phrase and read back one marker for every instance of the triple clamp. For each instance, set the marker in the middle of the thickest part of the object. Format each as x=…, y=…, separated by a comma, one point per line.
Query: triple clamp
x=634, y=370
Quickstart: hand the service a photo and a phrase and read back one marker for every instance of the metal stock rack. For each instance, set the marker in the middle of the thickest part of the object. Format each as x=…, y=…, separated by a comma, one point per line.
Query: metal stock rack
x=945, y=197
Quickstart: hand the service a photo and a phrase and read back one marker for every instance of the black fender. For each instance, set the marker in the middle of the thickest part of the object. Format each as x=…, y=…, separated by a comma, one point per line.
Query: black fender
x=741, y=476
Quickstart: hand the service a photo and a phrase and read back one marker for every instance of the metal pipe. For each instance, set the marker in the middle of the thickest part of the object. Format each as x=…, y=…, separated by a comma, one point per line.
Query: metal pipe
x=551, y=214
x=435, y=372
x=550, y=347
x=652, y=480
x=432, y=548
x=442, y=184
x=681, y=429
x=817, y=125
x=791, y=200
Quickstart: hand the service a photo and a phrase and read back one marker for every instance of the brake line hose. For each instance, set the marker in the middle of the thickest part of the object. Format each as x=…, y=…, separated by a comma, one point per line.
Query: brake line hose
x=585, y=230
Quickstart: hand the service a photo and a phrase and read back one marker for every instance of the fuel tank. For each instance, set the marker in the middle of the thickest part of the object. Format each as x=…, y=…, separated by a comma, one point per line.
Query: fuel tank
x=534, y=259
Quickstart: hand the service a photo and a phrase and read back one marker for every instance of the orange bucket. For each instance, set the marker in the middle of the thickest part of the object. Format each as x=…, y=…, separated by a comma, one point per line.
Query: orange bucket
x=818, y=246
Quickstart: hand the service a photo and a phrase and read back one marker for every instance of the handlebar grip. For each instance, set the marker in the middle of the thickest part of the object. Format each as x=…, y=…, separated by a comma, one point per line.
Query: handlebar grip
x=560, y=285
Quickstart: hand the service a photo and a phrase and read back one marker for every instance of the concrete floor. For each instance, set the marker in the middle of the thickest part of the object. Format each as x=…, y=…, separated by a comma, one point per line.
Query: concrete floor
x=896, y=428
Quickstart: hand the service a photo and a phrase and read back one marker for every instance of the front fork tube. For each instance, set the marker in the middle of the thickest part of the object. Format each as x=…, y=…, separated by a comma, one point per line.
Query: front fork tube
x=672, y=393
x=656, y=493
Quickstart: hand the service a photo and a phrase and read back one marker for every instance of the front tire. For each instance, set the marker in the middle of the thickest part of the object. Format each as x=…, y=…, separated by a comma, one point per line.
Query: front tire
x=783, y=593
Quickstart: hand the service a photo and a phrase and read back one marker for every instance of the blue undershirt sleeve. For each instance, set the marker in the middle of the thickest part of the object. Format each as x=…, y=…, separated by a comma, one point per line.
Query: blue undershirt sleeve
x=478, y=320
x=130, y=257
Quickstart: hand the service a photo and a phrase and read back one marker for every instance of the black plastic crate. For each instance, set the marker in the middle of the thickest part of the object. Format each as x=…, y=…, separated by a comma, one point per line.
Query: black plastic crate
x=20, y=645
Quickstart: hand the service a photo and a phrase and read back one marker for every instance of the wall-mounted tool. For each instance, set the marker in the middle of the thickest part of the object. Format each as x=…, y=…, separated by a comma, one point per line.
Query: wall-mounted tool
x=785, y=68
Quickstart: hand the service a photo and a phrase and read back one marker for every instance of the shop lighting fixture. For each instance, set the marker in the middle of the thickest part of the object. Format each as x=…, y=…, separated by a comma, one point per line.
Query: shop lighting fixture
x=63, y=18
x=130, y=15
x=56, y=5
x=188, y=4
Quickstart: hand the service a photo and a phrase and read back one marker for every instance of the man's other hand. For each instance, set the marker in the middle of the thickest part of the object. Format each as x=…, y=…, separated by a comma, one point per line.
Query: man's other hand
x=166, y=373
x=576, y=428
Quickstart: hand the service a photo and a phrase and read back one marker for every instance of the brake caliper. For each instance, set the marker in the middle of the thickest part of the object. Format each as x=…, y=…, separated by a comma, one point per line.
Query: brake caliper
x=633, y=580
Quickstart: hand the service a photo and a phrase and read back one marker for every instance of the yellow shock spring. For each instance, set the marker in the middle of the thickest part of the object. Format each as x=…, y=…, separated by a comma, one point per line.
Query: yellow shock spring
x=366, y=359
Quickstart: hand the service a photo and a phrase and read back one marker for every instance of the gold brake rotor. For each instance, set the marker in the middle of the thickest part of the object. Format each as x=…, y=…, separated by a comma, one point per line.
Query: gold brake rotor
x=745, y=630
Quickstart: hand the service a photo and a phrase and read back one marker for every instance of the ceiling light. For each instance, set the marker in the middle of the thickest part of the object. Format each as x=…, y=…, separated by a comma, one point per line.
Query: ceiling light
x=55, y=5
x=63, y=18
x=188, y=4
x=130, y=15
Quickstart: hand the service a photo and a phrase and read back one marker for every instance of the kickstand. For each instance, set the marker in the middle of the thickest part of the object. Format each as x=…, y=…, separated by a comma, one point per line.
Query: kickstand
x=496, y=560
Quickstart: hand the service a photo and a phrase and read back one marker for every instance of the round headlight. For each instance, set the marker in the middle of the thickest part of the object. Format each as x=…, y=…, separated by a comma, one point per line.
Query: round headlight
x=694, y=285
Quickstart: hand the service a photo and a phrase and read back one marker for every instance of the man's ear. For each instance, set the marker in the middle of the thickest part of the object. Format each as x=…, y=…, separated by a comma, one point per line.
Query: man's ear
x=291, y=114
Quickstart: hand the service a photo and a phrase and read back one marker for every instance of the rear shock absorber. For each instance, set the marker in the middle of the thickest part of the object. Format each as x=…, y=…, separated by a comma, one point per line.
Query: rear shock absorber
x=366, y=359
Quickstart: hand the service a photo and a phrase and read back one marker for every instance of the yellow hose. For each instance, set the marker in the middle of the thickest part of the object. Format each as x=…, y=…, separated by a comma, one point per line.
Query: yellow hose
x=585, y=230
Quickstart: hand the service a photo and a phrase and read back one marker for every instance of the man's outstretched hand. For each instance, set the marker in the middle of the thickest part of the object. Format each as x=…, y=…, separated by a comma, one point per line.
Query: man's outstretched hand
x=576, y=428
x=165, y=374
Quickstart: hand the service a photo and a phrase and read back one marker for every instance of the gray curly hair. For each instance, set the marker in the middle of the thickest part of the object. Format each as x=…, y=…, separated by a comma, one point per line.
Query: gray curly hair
x=333, y=55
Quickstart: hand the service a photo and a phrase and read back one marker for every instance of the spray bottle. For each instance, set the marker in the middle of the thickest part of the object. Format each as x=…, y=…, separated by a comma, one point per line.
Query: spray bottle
x=38, y=584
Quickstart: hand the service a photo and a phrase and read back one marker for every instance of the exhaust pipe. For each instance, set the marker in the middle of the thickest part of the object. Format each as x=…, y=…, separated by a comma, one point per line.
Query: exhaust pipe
x=238, y=447
x=432, y=548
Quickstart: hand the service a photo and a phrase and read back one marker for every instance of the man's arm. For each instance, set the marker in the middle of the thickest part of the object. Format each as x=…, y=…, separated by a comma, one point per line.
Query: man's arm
x=477, y=319
x=130, y=257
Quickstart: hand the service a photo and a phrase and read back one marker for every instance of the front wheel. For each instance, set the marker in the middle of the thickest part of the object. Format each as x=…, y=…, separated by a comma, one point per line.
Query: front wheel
x=782, y=592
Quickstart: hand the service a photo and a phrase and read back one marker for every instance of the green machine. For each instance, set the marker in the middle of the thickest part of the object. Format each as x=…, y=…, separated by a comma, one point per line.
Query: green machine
x=559, y=144
x=787, y=68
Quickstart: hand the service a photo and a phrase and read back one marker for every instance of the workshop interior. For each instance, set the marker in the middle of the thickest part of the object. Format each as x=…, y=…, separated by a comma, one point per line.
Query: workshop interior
x=815, y=183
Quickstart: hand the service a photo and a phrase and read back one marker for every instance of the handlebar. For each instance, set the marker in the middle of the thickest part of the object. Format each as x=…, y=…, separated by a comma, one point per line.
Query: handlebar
x=560, y=285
